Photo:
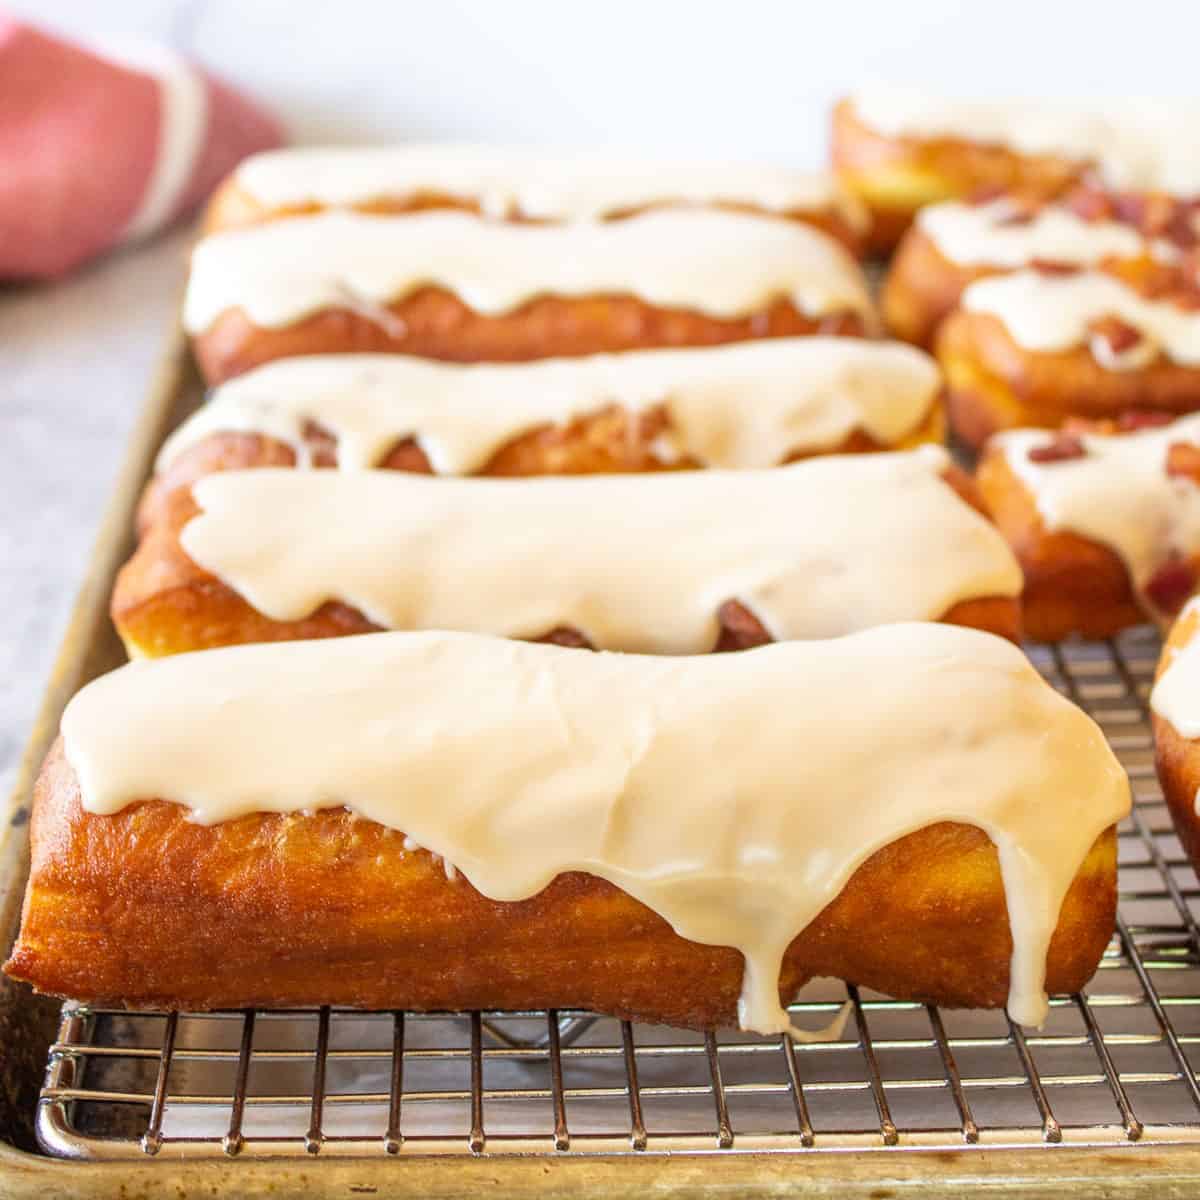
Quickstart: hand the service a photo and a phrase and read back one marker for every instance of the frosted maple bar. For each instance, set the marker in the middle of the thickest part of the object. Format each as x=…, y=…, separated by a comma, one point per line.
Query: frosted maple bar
x=515, y=183
x=448, y=285
x=640, y=562
x=603, y=813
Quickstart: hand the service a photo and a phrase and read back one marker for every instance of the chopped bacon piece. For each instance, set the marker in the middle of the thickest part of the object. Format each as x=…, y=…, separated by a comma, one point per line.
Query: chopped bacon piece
x=322, y=444
x=1059, y=449
x=1133, y=419
x=1047, y=266
x=1171, y=585
x=1120, y=335
x=1090, y=203
x=564, y=635
x=1183, y=461
x=1151, y=212
x=1184, y=230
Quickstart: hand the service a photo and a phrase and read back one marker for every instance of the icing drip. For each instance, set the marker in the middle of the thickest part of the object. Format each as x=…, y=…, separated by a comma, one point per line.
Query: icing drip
x=1118, y=493
x=977, y=235
x=705, y=787
x=633, y=562
x=1052, y=313
x=1136, y=144
x=722, y=263
x=745, y=405
x=511, y=180
x=1174, y=694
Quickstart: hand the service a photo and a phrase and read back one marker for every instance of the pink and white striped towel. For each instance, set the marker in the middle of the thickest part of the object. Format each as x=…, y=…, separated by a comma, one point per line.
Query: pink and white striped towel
x=105, y=144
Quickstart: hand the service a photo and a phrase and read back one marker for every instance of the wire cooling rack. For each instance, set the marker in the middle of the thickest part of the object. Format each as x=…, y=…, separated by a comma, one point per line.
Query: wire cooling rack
x=1112, y=1065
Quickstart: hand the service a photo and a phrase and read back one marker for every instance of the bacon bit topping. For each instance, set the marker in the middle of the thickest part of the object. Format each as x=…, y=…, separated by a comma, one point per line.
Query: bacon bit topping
x=1059, y=449
x=1047, y=266
x=1171, y=585
x=1120, y=335
x=1184, y=229
x=1150, y=212
x=1133, y=419
x=1090, y=203
x=564, y=635
x=1183, y=461
x=322, y=444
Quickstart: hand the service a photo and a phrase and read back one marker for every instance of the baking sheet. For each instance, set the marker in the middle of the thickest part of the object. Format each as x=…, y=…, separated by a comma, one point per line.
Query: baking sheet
x=1166, y=1163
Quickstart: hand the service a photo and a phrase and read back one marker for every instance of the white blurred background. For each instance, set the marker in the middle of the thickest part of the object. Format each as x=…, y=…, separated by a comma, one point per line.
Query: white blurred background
x=723, y=77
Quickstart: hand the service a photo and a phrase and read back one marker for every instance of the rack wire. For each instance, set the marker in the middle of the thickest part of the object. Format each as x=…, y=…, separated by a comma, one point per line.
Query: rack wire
x=1113, y=1064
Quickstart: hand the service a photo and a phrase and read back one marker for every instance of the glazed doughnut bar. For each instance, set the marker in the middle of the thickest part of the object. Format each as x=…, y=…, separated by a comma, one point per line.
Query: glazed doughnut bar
x=1176, y=729
x=900, y=150
x=753, y=404
x=449, y=285
x=1105, y=524
x=1041, y=347
x=679, y=563
x=675, y=840
x=512, y=184
x=951, y=245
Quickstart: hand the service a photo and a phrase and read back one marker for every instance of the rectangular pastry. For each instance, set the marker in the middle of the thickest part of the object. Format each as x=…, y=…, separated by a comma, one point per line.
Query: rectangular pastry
x=949, y=246
x=1041, y=347
x=445, y=821
x=517, y=184
x=1105, y=524
x=1176, y=717
x=677, y=563
x=900, y=149
x=450, y=285
x=752, y=404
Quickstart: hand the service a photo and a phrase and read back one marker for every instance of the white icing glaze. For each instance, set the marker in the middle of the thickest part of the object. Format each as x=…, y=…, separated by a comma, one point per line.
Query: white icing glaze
x=1051, y=313
x=975, y=235
x=533, y=183
x=1141, y=144
x=735, y=795
x=634, y=562
x=182, y=125
x=745, y=405
x=1119, y=494
x=1176, y=690
x=722, y=263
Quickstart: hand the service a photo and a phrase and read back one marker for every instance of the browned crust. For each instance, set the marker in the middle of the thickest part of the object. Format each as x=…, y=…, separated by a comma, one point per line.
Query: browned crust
x=994, y=384
x=611, y=440
x=895, y=176
x=922, y=288
x=232, y=207
x=434, y=323
x=1177, y=757
x=147, y=909
x=165, y=603
x=1072, y=584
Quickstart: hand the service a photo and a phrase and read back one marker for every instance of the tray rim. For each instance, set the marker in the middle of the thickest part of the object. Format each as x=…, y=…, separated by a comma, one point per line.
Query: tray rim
x=1160, y=1172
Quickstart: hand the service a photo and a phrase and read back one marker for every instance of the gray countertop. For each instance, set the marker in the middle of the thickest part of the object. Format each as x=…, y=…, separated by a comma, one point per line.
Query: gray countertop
x=76, y=358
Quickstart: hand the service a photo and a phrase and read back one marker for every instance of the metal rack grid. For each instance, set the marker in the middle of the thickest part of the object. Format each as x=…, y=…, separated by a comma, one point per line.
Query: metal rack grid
x=1112, y=1065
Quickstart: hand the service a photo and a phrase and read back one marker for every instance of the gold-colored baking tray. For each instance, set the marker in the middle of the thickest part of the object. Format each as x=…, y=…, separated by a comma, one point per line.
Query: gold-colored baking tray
x=1111, y=1093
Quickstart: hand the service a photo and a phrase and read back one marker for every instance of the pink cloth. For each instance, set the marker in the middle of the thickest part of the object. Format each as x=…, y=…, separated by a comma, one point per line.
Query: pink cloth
x=95, y=150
